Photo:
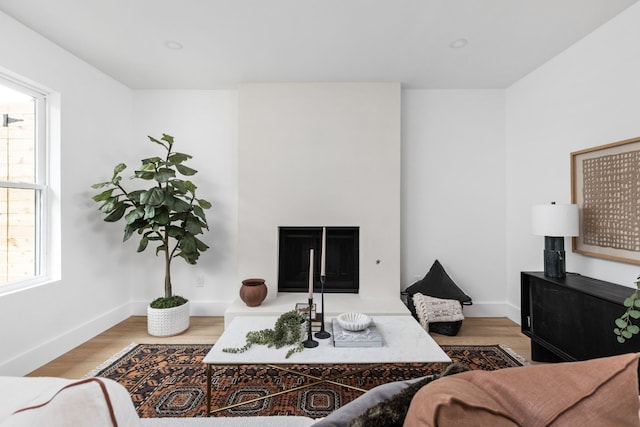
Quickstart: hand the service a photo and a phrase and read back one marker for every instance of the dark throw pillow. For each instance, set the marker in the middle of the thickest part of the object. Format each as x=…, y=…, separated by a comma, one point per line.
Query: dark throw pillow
x=436, y=283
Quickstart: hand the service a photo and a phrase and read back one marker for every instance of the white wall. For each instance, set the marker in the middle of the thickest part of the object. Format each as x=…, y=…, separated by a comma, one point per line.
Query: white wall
x=91, y=289
x=585, y=97
x=452, y=197
x=465, y=196
x=324, y=154
x=453, y=200
x=204, y=125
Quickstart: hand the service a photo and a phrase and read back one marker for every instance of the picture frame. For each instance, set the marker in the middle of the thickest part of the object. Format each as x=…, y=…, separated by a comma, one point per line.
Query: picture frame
x=605, y=184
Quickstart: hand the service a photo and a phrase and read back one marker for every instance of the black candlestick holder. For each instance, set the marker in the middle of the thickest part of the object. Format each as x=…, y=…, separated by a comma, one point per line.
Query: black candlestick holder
x=310, y=342
x=322, y=334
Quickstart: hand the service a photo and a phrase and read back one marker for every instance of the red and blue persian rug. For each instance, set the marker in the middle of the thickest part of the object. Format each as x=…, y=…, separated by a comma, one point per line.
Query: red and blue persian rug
x=169, y=380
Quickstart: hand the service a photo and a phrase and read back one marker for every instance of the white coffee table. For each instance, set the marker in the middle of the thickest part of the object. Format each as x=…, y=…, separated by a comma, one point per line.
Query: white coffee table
x=404, y=341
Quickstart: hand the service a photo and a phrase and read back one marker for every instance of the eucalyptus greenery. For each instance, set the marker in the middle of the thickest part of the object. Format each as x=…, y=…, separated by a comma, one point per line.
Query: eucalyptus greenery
x=625, y=329
x=167, y=212
x=287, y=331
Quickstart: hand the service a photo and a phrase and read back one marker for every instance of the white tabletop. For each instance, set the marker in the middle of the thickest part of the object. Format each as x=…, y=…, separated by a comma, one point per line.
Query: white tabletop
x=403, y=339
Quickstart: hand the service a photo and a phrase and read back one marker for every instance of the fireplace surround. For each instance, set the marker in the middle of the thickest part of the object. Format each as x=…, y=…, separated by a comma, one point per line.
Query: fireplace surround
x=342, y=258
x=320, y=154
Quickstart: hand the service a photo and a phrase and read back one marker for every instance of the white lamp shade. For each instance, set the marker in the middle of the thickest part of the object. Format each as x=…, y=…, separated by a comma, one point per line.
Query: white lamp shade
x=554, y=220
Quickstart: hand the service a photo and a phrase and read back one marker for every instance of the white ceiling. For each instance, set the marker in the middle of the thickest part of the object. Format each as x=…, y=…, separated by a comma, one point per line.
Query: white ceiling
x=226, y=42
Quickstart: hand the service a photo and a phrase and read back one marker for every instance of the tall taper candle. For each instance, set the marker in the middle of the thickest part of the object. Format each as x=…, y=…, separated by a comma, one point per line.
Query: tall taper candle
x=323, y=262
x=310, y=273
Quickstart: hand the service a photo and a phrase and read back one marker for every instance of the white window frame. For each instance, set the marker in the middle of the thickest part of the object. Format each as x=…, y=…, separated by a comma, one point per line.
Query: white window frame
x=40, y=186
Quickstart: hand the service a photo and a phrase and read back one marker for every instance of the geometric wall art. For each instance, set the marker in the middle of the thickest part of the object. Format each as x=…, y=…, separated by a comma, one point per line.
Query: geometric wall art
x=605, y=184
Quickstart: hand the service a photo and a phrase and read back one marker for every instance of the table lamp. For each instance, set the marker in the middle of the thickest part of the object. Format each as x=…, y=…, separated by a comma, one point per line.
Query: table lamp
x=554, y=222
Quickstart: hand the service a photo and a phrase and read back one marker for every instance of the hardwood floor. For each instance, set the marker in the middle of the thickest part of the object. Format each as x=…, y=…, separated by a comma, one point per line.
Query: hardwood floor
x=204, y=330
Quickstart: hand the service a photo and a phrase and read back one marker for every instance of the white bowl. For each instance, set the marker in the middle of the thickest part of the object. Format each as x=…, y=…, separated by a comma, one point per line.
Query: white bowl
x=353, y=321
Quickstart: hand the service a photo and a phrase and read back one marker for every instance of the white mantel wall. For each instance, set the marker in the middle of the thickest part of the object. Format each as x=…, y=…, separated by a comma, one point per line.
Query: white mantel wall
x=320, y=155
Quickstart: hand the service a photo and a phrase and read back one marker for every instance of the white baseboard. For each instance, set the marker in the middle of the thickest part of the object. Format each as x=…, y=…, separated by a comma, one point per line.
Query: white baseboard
x=493, y=309
x=46, y=351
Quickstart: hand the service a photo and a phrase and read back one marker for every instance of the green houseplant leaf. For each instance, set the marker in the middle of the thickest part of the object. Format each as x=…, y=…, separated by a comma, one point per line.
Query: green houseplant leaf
x=166, y=212
x=625, y=329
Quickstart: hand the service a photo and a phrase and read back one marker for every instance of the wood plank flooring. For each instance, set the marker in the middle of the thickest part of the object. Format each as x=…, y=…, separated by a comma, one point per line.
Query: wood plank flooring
x=206, y=330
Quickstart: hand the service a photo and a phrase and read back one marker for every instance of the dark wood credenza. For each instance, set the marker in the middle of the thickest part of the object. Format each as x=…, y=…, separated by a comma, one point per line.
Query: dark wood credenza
x=572, y=318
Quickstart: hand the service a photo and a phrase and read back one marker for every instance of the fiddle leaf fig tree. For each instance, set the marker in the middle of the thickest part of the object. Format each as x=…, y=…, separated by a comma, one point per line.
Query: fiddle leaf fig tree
x=167, y=213
x=625, y=329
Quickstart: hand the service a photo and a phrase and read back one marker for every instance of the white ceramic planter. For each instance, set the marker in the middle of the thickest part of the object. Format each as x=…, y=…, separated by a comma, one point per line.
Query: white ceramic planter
x=164, y=322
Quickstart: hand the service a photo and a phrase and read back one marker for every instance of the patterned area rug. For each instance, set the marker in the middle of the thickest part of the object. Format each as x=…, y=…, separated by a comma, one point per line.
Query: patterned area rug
x=169, y=380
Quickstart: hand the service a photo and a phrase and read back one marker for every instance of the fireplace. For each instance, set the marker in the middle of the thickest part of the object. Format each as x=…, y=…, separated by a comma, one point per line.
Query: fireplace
x=342, y=259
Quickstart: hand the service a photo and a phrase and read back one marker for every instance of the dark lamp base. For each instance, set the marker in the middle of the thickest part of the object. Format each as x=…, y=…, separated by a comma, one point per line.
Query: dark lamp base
x=554, y=260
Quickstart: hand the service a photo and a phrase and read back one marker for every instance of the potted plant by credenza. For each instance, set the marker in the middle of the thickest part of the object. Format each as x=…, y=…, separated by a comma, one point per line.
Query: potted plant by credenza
x=166, y=214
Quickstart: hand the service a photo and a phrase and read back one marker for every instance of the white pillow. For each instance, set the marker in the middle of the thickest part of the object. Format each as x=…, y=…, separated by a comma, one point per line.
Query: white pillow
x=430, y=309
x=96, y=402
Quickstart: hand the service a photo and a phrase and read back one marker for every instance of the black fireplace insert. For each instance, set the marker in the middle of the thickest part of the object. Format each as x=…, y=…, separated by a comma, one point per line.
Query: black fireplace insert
x=342, y=259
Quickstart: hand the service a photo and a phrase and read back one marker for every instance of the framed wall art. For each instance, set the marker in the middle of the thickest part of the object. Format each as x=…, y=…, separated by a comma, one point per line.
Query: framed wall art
x=605, y=184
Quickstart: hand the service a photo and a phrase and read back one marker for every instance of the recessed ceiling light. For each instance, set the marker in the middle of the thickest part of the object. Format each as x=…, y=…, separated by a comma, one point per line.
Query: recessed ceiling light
x=173, y=45
x=458, y=43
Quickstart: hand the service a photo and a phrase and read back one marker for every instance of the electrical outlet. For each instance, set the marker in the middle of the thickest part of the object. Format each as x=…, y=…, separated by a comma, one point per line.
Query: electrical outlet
x=200, y=282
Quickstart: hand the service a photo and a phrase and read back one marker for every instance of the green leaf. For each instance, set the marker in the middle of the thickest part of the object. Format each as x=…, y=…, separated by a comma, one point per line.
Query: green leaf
x=191, y=187
x=162, y=216
x=636, y=303
x=621, y=340
x=128, y=232
x=134, y=196
x=616, y=331
x=158, y=142
x=143, y=244
x=626, y=334
x=119, y=168
x=185, y=170
x=177, y=158
x=109, y=205
x=621, y=323
x=149, y=164
x=634, y=329
x=133, y=215
x=174, y=231
x=192, y=225
x=164, y=175
x=100, y=185
x=149, y=212
x=178, y=185
x=148, y=175
x=635, y=314
x=167, y=138
x=153, y=197
x=197, y=210
x=628, y=302
x=178, y=205
x=103, y=196
x=188, y=244
x=116, y=214
x=200, y=245
x=204, y=204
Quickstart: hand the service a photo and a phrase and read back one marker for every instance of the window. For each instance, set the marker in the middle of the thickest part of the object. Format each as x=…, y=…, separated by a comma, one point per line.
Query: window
x=23, y=185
